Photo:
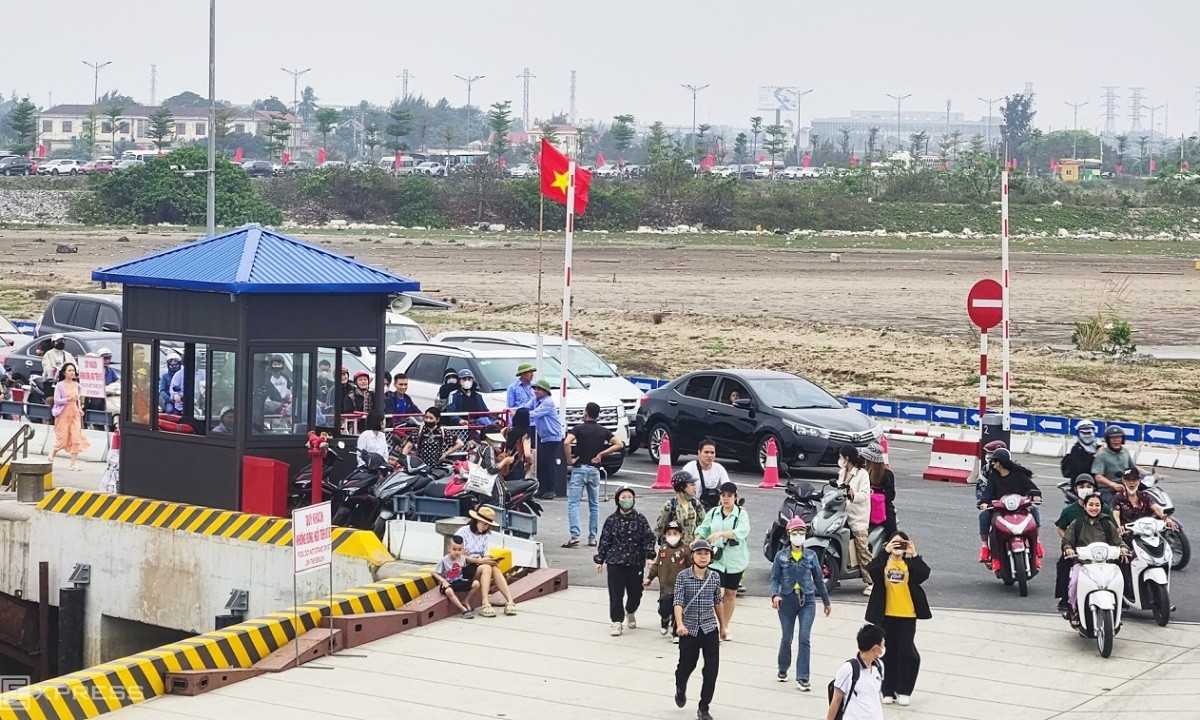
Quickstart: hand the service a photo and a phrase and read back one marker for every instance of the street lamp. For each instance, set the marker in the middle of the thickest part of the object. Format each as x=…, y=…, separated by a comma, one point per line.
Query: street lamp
x=96, y=68
x=1075, y=132
x=799, y=97
x=695, y=90
x=210, y=215
x=990, y=102
x=295, y=97
x=899, y=99
x=469, y=80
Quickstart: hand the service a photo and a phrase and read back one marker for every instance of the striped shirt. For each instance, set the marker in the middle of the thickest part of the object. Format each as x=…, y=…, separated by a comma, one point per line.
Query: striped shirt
x=698, y=597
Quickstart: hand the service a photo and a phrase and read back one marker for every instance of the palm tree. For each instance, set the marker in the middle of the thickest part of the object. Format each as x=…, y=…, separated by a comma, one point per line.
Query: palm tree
x=756, y=128
x=114, y=115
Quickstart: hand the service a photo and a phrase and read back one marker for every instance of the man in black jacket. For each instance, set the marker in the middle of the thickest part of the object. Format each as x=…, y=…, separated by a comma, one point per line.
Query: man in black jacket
x=1083, y=452
x=1007, y=478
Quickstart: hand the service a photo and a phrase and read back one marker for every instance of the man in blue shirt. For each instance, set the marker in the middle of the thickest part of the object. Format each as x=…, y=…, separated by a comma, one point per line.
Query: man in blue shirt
x=551, y=465
x=520, y=393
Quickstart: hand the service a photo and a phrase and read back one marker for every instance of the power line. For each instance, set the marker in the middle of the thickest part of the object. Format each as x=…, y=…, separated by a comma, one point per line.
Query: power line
x=1110, y=110
x=1135, y=109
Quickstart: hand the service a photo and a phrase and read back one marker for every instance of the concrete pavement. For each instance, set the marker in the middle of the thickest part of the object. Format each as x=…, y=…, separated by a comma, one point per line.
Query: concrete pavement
x=556, y=659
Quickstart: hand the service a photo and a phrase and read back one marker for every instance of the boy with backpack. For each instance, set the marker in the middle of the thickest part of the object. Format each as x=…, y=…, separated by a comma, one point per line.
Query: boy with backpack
x=672, y=557
x=855, y=693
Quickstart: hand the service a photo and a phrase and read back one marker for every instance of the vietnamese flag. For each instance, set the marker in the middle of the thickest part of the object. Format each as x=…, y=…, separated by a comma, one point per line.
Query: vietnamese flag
x=237, y=155
x=320, y=156
x=554, y=170
x=599, y=159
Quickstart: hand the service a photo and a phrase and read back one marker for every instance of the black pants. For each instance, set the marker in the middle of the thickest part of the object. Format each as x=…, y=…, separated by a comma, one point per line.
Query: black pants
x=690, y=647
x=1062, y=578
x=666, y=609
x=551, y=468
x=624, y=590
x=902, y=661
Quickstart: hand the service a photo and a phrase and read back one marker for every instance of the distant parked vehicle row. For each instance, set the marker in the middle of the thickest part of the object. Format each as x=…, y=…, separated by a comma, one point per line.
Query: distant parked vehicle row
x=62, y=166
x=16, y=165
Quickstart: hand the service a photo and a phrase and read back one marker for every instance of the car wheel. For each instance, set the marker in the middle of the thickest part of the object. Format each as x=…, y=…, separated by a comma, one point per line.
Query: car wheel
x=54, y=172
x=760, y=450
x=74, y=171
x=654, y=440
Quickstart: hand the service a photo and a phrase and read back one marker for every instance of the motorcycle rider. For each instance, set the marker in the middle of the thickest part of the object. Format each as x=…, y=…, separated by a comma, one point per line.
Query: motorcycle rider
x=1084, y=487
x=1007, y=478
x=1111, y=463
x=1134, y=503
x=1083, y=452
x=985, y=469
x=1093, y=527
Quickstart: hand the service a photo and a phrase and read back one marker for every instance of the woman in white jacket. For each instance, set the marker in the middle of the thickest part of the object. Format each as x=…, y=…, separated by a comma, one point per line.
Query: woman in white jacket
x=854, y=479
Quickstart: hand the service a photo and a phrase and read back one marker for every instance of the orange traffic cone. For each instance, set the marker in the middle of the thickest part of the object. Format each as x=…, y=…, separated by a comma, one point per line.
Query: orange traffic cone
x=771, y=468
x=662, y=480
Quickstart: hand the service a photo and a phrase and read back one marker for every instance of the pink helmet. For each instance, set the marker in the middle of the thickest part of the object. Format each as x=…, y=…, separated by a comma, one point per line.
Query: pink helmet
x=796, y=523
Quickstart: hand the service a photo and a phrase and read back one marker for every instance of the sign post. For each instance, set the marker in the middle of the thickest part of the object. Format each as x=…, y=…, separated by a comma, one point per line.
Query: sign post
x=985, y=308
x=1004, y=295
x=312, y=549
x=91, y=376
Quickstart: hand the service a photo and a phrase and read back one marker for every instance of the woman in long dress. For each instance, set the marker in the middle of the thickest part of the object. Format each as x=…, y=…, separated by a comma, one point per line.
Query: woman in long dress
x=68, y=416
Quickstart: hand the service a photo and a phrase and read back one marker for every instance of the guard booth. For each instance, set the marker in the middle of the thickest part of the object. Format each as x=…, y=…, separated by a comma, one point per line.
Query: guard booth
x=262, y=327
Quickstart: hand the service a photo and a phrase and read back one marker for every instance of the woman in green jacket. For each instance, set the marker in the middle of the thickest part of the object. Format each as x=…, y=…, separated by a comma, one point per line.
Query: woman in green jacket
x=727, y=527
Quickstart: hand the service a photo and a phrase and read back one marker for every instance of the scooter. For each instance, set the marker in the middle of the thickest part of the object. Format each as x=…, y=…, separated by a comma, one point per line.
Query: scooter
x=353, y=501
x=1013, y=541
x=800, y=500
x=1150, y=569
x=335, y=467
x=831, y=538
x=1181, y=549
x=1098, y=592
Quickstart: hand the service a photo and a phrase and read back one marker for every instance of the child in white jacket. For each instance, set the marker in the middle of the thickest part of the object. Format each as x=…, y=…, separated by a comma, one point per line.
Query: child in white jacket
x=857, y=483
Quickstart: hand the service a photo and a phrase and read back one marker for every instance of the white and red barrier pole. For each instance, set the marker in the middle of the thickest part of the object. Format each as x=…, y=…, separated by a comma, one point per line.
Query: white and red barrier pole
x=914, y=433
x=983, y=354
x=1007, y=423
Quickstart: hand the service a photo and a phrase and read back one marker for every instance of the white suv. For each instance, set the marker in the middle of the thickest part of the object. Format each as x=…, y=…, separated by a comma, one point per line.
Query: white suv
x=62, y=166
x=495, y=368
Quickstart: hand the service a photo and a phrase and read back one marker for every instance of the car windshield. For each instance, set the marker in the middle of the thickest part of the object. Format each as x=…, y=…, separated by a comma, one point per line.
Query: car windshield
x=584, y=362
x=499, y=372
x=397, y=333
x=791, y=393
x=6, y=326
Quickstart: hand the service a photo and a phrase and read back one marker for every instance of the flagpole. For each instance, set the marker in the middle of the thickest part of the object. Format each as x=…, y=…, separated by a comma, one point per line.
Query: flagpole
x=541, y=227
x=566, y=323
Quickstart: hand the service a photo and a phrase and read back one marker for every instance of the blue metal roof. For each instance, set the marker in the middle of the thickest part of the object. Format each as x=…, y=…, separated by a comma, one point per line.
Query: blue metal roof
x=254, y=260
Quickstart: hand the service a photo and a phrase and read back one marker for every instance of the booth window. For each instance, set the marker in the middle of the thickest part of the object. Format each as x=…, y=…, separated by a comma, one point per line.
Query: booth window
x=221, y=389
x=280, y=393
x=328, y=391
x=142, y=386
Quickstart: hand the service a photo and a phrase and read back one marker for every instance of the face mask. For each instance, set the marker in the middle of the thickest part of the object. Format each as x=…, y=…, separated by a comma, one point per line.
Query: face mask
x=59, y=345
x=673, y=540
x=1084, y=493
x=841, y=462
x=626, y=504
x=276, y=370
x=797, y=538
x=882, y=651
x=430, y=423
x=324, y=375
x=467, y=384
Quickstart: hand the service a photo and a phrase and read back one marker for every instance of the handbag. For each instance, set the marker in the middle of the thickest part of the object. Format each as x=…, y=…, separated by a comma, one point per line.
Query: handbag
x=878, y=509
x=480, y=480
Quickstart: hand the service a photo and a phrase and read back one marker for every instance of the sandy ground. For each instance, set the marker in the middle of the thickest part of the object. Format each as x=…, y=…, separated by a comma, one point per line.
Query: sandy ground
x=881, y=322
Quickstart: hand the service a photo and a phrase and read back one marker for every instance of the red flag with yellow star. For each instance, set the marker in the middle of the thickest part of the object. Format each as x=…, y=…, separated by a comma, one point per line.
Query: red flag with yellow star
x=554, y=168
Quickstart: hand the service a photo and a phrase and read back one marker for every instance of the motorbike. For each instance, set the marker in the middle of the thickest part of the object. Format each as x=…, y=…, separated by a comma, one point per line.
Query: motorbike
x=1098, y=591
x=1013, y=541
x=1181, y=549
x=800, y=500
x=335, y=467
x=1149, y=586
x=41, y=391
x=832, y=540
x=353, y=500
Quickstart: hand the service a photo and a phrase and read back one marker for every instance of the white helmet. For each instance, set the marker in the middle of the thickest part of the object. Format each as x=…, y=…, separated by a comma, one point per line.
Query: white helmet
x=1085, y=430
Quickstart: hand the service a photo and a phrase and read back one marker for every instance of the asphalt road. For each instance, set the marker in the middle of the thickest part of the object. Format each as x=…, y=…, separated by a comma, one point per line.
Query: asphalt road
x=941, y=518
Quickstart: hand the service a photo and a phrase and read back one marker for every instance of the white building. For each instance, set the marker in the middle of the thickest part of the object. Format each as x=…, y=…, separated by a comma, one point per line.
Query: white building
x=62, y=125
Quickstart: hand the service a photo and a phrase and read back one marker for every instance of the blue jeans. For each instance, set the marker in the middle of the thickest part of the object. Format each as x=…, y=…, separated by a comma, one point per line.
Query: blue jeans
x=582, y=477
x=789, y=610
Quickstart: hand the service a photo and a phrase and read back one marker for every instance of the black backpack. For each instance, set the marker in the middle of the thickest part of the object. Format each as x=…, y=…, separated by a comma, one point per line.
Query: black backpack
x=855, y=662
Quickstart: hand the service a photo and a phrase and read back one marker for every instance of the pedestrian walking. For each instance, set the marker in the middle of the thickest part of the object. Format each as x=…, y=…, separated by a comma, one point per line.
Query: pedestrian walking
x=883, y=488
x=585, y=447
x=68, y=416
x=673, y=557
x=684, y=508
x=897, y=601
x=698, y=596
x=852, y=477
x=626, y=543
x=727, y=528
x=551, y=465
x=796, y=578
x=854, y=693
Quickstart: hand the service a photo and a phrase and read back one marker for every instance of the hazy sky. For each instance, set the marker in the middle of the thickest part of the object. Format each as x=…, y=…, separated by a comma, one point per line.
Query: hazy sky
x=631, y=56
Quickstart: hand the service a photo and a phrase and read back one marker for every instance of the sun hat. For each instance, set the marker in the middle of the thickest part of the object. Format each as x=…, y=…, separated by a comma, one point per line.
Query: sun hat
x=486, y=515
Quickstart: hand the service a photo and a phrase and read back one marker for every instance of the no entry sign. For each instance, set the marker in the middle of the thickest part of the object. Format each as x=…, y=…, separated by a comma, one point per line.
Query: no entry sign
x=985, y=304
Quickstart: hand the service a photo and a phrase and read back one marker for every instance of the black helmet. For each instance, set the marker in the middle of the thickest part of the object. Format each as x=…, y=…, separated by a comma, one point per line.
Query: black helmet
x=680, y=481
x=1113, y=431
x=617, y=495
x=1001, y=455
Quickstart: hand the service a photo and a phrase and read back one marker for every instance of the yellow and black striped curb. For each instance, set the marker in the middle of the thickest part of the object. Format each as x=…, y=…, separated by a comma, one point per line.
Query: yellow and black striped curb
x=204, y=521
x=123, y=682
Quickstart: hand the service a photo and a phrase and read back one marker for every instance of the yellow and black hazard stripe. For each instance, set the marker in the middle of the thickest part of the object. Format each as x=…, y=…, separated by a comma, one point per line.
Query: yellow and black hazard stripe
x=203, y=521
x=123, y=682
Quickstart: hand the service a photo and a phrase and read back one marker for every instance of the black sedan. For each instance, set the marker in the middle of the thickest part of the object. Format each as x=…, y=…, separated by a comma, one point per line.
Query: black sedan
x=741, y=410
x=25, y=363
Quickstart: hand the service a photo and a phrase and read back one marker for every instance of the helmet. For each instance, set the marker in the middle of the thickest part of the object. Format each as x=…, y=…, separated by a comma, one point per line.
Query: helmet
x=361, y=373
x=796, y=523
x=466, y=373
x=1001, y=455
x=991, y=448
x=1082, y=478
x=104, y=352
x=1113, y=431
x=1085, y=426
x=623, y=488
x=680, y=481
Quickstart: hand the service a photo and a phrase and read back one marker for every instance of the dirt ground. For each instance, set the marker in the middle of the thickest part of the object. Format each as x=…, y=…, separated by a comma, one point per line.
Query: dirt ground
x=879, y=322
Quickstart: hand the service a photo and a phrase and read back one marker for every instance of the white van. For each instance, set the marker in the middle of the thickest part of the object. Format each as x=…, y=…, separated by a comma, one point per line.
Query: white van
x=407, y=165
x=142, y=155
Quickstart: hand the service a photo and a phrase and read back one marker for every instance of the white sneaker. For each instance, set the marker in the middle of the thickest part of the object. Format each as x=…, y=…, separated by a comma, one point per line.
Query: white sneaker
x=631, y=621
x=866, y=590
x=616, y=629
x=674, y=639
x=902, y=699
x=888, y=699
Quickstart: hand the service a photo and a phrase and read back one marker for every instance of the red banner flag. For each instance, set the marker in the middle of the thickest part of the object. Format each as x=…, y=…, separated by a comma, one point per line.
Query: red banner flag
x=599, y=159
x=1186, y=164
x=806, y=160
x=396, y=160
x=42, y=152
x=1120, y=169
x=853, y=161
x=707, y=163
x=237, y=155
x=1153, y=166
x=287, y=158
x=320, y=156
x=554, y=168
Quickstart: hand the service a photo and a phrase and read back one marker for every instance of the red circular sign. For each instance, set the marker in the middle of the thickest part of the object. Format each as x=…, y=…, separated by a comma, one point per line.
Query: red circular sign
x=984, y=304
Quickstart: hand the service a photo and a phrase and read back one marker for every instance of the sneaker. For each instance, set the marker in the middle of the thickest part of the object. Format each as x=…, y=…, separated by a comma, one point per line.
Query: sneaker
x=664, y=630
x=616, y=629
x=703, y=715
x=630, y=620
x=468, y=615
x=674, y=639
x=680, y=697
x=985, y=554
x=995, y=566
x=867, y=589
x=888, y=699
x=741, y=590
x=902, y=700
x=803, y=686
x=782, y=675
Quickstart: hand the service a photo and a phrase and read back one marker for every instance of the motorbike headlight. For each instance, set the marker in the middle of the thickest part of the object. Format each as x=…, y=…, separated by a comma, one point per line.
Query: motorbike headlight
x=807, y=430
x=1100, y=553
x=1012, y=502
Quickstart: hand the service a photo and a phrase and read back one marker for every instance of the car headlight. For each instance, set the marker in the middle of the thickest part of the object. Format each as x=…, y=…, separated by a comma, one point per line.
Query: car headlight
x=620, y=410
x=807, y=430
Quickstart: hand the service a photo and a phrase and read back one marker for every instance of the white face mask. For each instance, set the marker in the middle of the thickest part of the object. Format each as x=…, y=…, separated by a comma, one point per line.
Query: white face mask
x=797, y=538
x=882, y=651
x=466, y=384
x=673, y=540
x=841, y=462
x=1084, y=493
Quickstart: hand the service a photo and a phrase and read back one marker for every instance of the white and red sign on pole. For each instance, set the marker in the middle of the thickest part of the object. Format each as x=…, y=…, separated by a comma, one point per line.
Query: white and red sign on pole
x=985, y=308
x=1007, y=418
x=312, y=537
x=91, y=376
x=566, y=322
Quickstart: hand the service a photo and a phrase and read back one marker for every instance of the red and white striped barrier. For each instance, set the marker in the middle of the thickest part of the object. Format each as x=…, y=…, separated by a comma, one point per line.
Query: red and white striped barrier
x=954, y=461
x=915, y=433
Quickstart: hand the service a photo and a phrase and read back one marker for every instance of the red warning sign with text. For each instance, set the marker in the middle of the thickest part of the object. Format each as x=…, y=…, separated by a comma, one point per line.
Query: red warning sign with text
x=312, y=536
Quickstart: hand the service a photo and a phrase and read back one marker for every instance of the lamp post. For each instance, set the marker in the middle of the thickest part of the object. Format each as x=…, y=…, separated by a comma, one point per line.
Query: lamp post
x=1075, y=133
x=469, y=80
x=295, y=98
x=799, y=96
x=96, y=68
x=211, y=198
x=695, y=90
x=990, y=103
x=899, y=99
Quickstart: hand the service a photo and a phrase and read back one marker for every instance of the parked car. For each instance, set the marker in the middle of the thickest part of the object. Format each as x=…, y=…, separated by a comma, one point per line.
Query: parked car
x=607, y=170
x=96, y=167
x=431, y=168
x=495, y=368
x=807, y=423
x=24, y=363
x=61, y=166
x=258, y=168
x=597, y=373
x=792, y=172
x=9, y=334
x=16, y=165
x=522, y=170
x=126, y=164
x=298, y=166
x=78, y=312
